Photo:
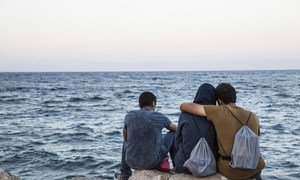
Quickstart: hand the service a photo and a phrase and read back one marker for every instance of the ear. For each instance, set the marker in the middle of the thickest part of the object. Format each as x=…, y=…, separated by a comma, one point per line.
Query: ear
x=154, y=104
x=220, y=102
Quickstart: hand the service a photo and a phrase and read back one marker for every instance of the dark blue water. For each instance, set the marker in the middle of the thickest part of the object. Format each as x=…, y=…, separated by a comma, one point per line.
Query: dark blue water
x=62, y=125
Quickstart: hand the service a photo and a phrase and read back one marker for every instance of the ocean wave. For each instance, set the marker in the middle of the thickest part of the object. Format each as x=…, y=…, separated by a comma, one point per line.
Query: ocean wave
x=131, y=96
x=289, y=164
x=297, y=97
x=54, y=135
x=265, y=87
x=79, y=150
x=7, y=96
x=26, y=171
x=13, y=100
x=296, y=132
x=106, y=163
x=246, y=83
x=96, y=98
x=57, y=138
x=296, y=175
x=271, y=110
x=99, y=136
x=65, y=135
x=52, y=102
x=76, y=99
x=223, y=77
x=287, y=105
x=283, y=95
x=37, y=143
x=79, y=109
x=83, y=128
x=22, y=133
x=5, y=138
x=113, y=133
x=78, y=163
x=30, y=156
x=118, y=95
x=279, y=127
x=58, y=89
x=110, y=109
x=12, y=89
x=127, y=91
x=47, y=111
x=13, y=148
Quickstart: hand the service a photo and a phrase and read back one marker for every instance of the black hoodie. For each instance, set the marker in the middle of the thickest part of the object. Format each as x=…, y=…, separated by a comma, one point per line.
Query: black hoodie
x=192, y=127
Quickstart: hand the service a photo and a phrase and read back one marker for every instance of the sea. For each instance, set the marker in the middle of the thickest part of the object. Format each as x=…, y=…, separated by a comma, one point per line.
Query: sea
x=64, y=125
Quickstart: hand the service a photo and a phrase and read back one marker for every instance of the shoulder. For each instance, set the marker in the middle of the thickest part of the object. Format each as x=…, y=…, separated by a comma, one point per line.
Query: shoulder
x=133, y=113
x=162, y=119
x=253, y=115
x=158, y=114
x=185, y=117
x=212, y=109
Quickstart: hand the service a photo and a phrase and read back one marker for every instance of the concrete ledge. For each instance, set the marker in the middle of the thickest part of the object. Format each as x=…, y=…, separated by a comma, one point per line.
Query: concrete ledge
x=158, y=175
x=7, y=176
x=138, y=175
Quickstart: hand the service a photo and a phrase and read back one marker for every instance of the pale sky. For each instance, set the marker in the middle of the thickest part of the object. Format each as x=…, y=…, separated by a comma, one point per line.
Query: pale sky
x=143, y=35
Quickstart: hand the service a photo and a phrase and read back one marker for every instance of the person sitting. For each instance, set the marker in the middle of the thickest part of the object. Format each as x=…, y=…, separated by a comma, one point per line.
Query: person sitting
x=224, y=117
x=143, y=146
x=192, y=127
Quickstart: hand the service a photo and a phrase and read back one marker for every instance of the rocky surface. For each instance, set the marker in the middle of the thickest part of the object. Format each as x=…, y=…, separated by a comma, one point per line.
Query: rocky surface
x=7, y=176
x=138, y=175
x=158, y=175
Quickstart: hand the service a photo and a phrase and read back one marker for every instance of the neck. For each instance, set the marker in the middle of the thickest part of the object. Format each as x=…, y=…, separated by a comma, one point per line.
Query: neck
x=231, y=104
x=149, y=107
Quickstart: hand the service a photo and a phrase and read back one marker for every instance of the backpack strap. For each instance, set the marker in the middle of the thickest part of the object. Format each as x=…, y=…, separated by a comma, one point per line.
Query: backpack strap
x=199, y=128
x=234, y=116
x=238, y=119
x=248, y=119
x=226, y=157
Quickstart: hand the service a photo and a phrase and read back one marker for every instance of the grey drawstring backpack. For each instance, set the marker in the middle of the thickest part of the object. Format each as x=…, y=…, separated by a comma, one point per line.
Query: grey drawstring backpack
x=245, y=152
x=202, y=161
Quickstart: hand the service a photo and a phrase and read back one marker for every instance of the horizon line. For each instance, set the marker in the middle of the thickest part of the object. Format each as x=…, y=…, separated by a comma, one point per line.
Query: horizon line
x=87, y=71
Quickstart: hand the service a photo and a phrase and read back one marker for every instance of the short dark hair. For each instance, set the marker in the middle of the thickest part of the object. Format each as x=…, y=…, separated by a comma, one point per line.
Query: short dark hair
x=226, y=93
x=146, y=99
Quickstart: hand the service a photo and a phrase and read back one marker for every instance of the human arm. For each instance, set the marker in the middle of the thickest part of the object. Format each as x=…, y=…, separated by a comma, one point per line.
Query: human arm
x=172, y=127
x=125, y=134
x=193, y=108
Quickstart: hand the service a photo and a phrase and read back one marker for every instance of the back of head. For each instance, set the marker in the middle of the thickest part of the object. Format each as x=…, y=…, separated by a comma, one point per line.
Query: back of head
x=226, y=93
x=205, y=95
x=146, y=99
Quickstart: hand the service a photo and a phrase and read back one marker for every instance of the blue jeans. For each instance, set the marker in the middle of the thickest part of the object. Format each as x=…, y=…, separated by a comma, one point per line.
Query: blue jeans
x=168, y=145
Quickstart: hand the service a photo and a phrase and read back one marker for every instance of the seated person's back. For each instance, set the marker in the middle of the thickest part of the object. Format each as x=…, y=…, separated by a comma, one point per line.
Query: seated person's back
x=143, y=146
x=228, y=118
x=144, y=138
x=192, y=127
